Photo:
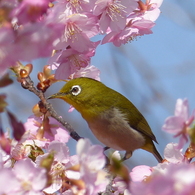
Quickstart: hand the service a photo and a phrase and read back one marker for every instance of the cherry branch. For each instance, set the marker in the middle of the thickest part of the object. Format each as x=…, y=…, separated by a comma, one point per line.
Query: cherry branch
x=27, y=83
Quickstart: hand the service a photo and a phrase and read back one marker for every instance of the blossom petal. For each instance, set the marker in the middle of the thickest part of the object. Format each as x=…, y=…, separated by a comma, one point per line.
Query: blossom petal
x=173, y=124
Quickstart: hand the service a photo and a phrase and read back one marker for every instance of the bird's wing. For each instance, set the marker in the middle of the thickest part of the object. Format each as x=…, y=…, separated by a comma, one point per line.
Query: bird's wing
x=139, y=123
x=144, y=128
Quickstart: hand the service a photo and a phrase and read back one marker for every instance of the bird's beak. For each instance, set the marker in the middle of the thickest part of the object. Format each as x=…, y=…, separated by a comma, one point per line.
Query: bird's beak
x=56, y=95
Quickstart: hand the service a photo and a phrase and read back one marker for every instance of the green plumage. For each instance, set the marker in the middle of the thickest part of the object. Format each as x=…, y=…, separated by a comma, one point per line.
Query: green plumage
x=113, y=119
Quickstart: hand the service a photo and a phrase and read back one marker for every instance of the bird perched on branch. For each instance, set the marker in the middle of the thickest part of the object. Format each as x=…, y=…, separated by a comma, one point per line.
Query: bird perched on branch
x=112, y=118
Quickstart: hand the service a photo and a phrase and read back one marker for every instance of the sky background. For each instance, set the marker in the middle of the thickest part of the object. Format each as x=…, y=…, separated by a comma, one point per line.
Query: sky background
x=152, y=71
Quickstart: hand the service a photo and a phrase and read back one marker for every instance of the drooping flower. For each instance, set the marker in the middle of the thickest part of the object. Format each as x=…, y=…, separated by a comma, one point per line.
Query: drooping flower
x=70, y=61
x=78, y=29
x=180, y=122
x=113, y=13
x=134, y=27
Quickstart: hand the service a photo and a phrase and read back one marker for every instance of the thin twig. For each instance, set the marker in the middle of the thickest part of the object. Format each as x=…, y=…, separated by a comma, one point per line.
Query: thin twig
x=27, y=83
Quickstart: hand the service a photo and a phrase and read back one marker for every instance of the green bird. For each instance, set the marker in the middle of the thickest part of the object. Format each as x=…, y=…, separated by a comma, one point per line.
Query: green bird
x=112, y=118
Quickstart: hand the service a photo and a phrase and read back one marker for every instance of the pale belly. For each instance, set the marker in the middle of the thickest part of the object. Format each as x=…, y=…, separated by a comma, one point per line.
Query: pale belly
x=116, y=133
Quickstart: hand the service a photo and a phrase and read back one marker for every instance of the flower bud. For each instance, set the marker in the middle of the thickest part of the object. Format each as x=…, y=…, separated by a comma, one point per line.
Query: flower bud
x=40, y=76
x=22, y=71
x=46, y=71
x=36, y=110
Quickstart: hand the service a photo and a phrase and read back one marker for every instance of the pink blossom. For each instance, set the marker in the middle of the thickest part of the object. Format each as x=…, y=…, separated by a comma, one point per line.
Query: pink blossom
x=176, y=179
x=70, y=61
x=119, y=186
x=8, y=182
x=148, y=10
x=7, y=48
x=62, y=161
x=92, y=161
x=140, y=173
x=31, y=178
x=5, y=160
x=78, y=29
x=113, y=13
x=39, y=38
x=172, y=154
x=133, y=28
x=56, y=171
x=61, y=152
x=55, y=132
x=180, y=122
x=21, y=150
x=30, y=11
x=79, y=6
x=89, y=71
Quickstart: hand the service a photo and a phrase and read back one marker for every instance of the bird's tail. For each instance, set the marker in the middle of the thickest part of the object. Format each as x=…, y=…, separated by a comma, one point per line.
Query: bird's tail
x=150, y=147
x=157, y=155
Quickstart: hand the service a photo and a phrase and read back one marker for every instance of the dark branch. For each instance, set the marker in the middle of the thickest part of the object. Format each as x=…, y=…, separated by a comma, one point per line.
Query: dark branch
x=27, y=83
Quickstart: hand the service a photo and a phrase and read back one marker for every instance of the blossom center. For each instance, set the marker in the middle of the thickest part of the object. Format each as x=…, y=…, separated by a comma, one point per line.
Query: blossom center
x=114, y=10
x=26, y=185
x=78, y=61
x=76, y=4
x=71, y=31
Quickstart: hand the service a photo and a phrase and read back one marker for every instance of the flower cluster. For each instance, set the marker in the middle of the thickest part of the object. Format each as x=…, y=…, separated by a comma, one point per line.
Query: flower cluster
x=40, y=163
x=63, y=30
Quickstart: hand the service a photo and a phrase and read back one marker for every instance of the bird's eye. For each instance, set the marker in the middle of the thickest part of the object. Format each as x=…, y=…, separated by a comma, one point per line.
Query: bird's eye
x=75, y=90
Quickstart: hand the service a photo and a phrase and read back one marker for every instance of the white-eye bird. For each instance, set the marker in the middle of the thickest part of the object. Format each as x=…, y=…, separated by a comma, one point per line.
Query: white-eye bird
x=112, y=118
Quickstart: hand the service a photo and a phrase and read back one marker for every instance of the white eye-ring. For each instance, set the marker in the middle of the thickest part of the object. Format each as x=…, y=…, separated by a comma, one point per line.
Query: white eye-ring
x=75, y=90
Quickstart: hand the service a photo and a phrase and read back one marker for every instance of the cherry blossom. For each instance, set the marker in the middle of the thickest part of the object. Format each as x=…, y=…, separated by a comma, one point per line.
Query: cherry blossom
x=30, y=11
x=176, y=179
x=78, y=29
x=140, y=173
x=173, y=154
x=7, y=47
x=134, y=27
x=113, y=13
x=89, y=71
x=31, y=178
x=6, y=175
x=180, y=122
x=148, y=10
x=92, y=161
x=79, y=6
x=55, y=131
x=70, y=61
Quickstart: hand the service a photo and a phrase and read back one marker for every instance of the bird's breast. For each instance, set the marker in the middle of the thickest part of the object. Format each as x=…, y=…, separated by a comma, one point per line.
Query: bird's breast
x=112, y=129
